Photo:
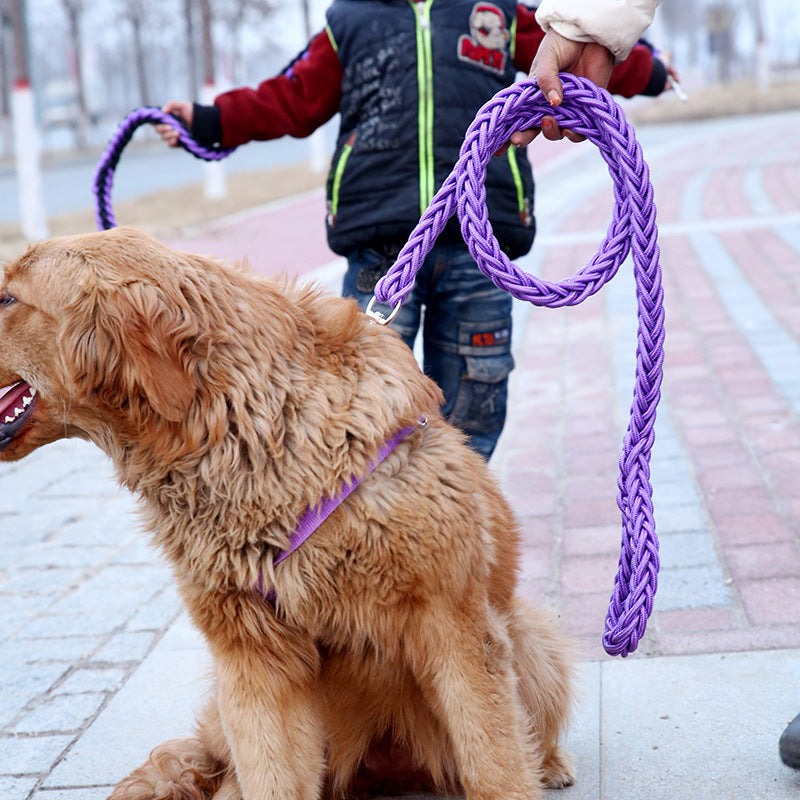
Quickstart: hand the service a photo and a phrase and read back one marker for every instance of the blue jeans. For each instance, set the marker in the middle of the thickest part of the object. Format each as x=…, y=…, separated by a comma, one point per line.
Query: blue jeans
x=466, y=333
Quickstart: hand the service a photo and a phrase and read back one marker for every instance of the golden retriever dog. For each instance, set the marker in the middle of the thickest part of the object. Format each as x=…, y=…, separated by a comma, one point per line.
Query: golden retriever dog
x=389, y=652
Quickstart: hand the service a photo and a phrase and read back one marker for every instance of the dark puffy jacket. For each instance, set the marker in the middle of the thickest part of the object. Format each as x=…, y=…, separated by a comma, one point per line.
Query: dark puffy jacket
x=414, y=76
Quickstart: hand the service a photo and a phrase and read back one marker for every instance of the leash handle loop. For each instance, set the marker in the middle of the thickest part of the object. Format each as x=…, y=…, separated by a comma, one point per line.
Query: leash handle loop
x=591, y=112
x=104, y=175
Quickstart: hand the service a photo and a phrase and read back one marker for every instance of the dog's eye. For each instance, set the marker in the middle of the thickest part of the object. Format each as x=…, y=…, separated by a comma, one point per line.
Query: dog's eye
x=7, y=299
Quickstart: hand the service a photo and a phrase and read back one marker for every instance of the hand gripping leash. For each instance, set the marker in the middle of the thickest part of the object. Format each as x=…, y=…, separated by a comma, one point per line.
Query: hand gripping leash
x=104, y=176
x=592, y=113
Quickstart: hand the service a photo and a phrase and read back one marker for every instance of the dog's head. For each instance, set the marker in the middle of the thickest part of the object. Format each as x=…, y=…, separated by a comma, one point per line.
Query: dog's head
x=92, y=328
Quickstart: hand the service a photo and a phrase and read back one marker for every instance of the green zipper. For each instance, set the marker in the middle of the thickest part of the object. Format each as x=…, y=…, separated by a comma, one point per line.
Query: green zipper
x=512, y=162
x=422, y=10
x=337, y=175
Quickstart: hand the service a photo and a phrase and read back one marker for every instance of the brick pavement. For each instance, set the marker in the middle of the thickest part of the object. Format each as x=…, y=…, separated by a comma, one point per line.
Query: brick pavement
x=726, y=462
x=89, y=612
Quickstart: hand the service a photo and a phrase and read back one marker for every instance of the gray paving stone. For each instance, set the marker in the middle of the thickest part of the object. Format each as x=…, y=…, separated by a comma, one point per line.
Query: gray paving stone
x=125, y=646
x=139, y=551
x=94, y=623
x=676, y=518
x=12, y=622
x=692, y=587
x=19, y=609
x=674, y=491
x=82, y=793
x=23, y=755
x=43, y=580
x=16, y=788
x=116, y=604
x=106, y=529
x=55, y=554
x=157, y=703
x=18, y=486
x=701, y=727
x=83, y=483
x=66, y=648
x=60, y=713
x=158, y=613
x=21, y=682
x=128, y=577
x=97, y=679
x=22, y=531
x=686, y=550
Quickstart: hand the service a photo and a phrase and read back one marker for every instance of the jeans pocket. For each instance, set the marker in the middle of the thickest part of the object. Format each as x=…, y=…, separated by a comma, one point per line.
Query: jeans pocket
x=480, y=403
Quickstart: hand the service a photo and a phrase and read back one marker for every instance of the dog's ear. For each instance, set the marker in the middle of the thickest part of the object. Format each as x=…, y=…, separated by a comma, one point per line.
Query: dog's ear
x=125, y=343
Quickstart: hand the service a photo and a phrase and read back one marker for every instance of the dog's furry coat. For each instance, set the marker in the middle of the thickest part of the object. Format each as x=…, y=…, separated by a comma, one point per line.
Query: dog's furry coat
x=397, y=656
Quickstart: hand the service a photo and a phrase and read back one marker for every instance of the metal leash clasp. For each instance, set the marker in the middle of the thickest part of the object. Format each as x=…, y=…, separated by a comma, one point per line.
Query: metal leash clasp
x=377, y=316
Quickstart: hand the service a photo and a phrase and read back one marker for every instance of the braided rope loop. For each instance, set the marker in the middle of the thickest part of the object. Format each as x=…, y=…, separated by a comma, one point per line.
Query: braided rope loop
x=591, y=112
x=104, y=175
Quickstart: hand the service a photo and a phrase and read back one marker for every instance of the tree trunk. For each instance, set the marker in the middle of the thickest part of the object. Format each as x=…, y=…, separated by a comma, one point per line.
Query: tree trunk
x=191, y=53
x=141, y=68
x=208, y=44
x=74, y=22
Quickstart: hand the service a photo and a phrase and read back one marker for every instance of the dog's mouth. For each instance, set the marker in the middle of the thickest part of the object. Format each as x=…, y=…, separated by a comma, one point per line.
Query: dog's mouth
x=16, y=403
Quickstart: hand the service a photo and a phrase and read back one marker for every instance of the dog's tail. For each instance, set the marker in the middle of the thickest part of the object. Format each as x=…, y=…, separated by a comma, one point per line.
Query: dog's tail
x=178, y=769
x=543, y=663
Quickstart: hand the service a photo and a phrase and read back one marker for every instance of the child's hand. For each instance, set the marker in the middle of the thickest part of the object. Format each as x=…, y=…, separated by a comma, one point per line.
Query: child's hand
x=184, y=111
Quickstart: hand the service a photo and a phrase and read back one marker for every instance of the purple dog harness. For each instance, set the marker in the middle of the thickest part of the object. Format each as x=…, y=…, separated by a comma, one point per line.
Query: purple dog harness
x=593, y=113
x=312, y=518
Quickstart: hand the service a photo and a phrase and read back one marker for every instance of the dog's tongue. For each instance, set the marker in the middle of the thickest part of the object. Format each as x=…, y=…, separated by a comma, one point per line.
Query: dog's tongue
x=11, y=395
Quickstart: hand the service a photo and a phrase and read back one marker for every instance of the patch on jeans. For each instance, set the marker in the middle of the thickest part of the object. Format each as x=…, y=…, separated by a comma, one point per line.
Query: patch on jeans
x=368, y=276
x=491, y=337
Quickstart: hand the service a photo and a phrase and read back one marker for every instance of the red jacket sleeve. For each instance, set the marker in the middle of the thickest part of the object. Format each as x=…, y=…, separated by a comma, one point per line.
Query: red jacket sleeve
x=629, y=78
x=295, y=103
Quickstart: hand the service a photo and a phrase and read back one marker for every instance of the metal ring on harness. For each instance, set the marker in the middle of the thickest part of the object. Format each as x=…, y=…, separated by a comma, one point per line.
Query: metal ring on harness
x=379, y=317
x=593, y=113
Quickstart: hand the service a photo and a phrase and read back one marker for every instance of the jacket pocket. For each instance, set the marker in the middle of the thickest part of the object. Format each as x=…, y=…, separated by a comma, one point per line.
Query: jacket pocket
x=335, y=178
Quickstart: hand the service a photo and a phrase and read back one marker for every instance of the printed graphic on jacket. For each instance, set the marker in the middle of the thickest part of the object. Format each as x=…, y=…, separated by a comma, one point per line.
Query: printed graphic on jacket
x=487, y=43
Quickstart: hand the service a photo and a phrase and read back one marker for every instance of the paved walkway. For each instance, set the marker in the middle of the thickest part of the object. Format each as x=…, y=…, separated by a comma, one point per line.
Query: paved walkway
x=98, y=664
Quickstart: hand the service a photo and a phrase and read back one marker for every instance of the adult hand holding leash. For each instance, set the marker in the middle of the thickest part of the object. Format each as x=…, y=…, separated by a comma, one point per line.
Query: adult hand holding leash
x=559, y=54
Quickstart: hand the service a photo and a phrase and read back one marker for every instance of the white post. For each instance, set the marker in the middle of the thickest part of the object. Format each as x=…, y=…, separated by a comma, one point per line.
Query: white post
x=216, y=187
x=318, y=158
x=29, y=176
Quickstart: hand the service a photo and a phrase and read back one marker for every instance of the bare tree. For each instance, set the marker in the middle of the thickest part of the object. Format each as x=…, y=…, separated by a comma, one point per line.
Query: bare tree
x=74, y=10
x=5, y=70
x=135, y=12
x=191, y=52
x=681, y=19
x=209, y=70
x=16, y=15
x=236, y=15
x=5, y=79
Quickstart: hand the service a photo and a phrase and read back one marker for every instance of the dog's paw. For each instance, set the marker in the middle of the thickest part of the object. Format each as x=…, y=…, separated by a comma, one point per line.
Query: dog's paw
x=558, y=770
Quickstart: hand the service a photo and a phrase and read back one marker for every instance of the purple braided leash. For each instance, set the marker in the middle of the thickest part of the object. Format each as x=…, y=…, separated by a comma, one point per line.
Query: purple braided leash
x=592, y=113
x=104, y=176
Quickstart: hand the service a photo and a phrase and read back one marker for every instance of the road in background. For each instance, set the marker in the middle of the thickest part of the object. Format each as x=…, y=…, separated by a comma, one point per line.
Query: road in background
x=144, y=168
